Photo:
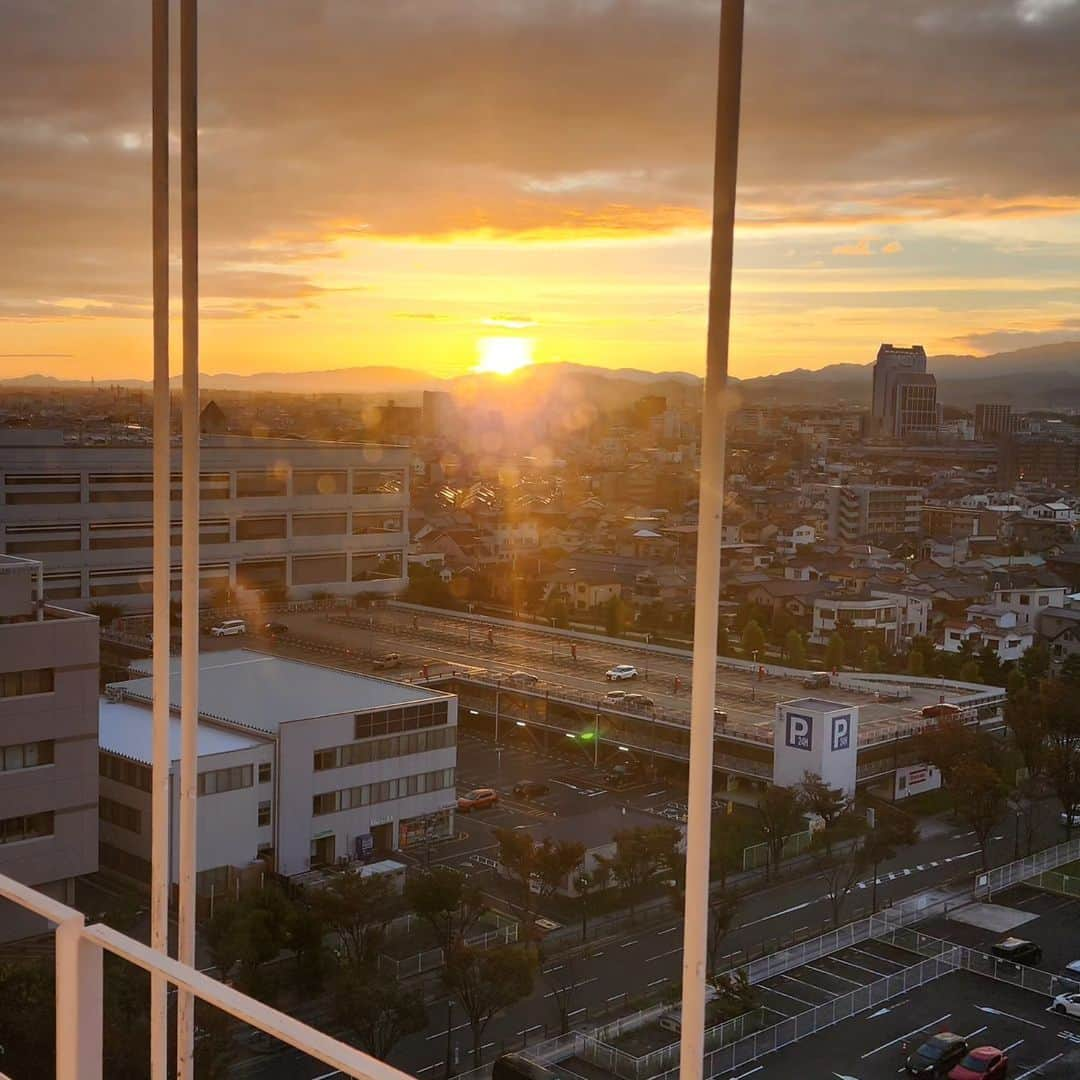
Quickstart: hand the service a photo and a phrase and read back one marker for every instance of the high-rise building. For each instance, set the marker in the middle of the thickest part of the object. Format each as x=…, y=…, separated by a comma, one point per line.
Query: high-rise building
x=48, y=742
x=992, y=421
x=904, y=399
x=865, y=511
x=280, y=514
x=437, y=412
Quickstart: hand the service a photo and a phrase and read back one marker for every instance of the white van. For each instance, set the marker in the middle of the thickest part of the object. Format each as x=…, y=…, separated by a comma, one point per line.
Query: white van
x=228, y=627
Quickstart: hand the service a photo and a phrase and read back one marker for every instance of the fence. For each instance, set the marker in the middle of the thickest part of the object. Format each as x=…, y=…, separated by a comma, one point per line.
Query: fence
x=757, y=855
x=1027, y=978
x=1001, y=877
x=433, y=959
x=1052, y=881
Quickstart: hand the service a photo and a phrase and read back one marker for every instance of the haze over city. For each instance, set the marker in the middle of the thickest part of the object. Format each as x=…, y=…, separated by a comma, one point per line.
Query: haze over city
x=452, y=186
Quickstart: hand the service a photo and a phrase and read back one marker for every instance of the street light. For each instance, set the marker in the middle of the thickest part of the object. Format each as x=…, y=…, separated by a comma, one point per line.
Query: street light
x=449, y=1070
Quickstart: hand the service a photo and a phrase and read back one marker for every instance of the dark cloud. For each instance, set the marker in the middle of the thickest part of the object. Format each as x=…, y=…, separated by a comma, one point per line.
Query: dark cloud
x=525, y=117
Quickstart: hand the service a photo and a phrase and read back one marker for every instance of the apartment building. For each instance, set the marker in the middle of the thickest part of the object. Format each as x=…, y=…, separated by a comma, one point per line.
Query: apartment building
x=865, y=511
x=278, y=514
x=1027, y=601
x=48, y=742
x=898, y=617
x=904, y=396
x=299, y=765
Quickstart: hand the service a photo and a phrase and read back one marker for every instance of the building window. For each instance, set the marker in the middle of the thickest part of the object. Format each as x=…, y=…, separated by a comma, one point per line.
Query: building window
x=360, y=753
x=264, y=813
x=410, y=718
x=320, y=524
x=123, y=771
x=26, y=755
x=378, y=483
x=120, y=815
x=320, y=482
x=376, y=523
x=376, y=567
x=260, y=483
x=266, y=770
x=218, y=781
x=401, y=787
x=261, y=528
x=26, y=827
x=23, y=683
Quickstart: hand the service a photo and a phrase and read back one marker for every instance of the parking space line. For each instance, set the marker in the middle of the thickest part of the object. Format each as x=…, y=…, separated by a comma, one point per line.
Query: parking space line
x=977, y=1031
x=772, y=989
x=1011, y=1046
x=833, y=975
x=881, y=959
x=1042, y=1065
x=859, y=967
x=907, y=1035
x=813, y=986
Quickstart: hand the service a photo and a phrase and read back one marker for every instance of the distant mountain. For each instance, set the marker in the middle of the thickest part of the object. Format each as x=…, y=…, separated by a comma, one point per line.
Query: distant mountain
x=1047, y=376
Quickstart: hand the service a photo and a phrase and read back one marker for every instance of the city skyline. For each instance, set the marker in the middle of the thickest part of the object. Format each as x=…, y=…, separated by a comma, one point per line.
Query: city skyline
x=348, y=223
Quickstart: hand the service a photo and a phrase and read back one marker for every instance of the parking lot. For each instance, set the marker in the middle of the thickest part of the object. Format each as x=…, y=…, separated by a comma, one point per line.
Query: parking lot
x=873, y=1045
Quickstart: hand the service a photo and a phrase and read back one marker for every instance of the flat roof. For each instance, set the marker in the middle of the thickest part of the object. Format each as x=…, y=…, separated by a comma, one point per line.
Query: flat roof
x=262, y=692
x=816, y=703
x=126, y=728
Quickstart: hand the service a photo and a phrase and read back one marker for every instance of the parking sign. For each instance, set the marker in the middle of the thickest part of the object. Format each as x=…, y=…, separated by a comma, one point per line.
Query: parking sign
x=799, y=730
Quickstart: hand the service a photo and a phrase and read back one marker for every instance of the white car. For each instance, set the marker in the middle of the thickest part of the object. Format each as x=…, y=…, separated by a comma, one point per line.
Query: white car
x=228, y=628
x=1063, y=818
x=620, y=671
x=613, y=697
x=1068, y=1004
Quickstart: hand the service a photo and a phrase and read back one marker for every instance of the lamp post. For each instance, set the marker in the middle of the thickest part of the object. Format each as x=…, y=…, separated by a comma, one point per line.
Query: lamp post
x=449, y=1070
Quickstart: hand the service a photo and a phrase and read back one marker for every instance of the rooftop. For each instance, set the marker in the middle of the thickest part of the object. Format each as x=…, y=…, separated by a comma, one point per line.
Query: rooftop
x=126, y=728
x=261, y=692
x=817, y=704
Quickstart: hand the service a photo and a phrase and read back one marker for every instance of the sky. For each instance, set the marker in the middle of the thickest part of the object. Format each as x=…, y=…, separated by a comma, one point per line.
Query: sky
x=441, y=184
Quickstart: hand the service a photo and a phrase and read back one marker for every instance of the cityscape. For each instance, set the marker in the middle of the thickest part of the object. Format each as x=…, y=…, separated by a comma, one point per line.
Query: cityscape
x=587, y=669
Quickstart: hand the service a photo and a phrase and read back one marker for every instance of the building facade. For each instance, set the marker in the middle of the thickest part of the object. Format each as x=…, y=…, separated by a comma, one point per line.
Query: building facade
x=904, y=400
x=301, y=766
x=278, y=514
x=864, y=511
x=992, y=420
x=48, y=741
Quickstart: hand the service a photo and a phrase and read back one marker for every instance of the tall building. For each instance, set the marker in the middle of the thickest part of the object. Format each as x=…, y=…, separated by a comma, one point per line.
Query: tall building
x=865, y=511
x=437, y=413
x=904, y=399
x=992, y=421
x=278, y=514
x=48, y=742
x=1040, y=459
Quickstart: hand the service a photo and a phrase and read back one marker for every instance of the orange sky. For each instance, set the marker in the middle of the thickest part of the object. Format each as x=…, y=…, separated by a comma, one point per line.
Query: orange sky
x=401, y=183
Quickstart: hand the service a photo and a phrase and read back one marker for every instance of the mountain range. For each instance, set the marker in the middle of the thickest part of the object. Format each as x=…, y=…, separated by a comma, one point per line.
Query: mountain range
x=1043, y=377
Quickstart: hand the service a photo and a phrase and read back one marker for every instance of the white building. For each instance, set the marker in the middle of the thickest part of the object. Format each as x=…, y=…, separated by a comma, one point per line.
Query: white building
x=817, y=736
x=801, y=536
x=1027, y=602
x=282, y=514
x=299, y=764
x=881, y=614
x=989, y=626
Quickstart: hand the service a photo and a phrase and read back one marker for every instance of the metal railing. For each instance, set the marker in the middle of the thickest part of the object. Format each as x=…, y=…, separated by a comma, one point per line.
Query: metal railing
x=433, y=959
x=80, y=953
x=1001, y=877
x=1053, y=881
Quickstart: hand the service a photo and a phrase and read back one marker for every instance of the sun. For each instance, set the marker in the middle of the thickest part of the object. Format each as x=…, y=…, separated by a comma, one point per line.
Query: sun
x=504, y=355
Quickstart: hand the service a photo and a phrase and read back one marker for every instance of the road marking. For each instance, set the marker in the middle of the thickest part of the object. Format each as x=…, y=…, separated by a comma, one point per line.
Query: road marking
x=575, y=986
x=557, y=967
x=859, y=967
x=886, y=1009
x=669, y=930
x=615, y=997
x=773, y=990
x=998, y=1012
x=326, y=1076
x=786, y=911
x=907, y=1035
x=660, y=956
x=1011, y=1046
x=576, y=1011
x=657, y=982
x=442, y=1034
x=880, y=959
x=813, y=986
x=627, y=944
x=1036, y=1068
x=428, y=1068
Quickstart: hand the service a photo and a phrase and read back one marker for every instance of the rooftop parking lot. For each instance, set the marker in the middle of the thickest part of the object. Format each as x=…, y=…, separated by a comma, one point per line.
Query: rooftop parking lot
x=873, y=1045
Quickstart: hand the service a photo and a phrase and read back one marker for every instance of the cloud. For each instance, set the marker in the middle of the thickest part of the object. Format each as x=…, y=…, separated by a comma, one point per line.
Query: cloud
x=860, y=247
x=893, y=247
x=991, y=341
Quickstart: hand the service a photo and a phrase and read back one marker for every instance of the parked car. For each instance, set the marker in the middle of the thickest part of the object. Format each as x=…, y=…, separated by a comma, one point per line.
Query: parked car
x=1068, y=1004
x=937, y=1055
x=478, y=799
x=228, y=627
x=523, y=678
x=940, y=710
x=530, y=789
x=275, y=629
x=621, y=671
x=816, y=680
x=982, y=1063
x=1063, y=819
x=387, y=660
x=614, y=697
x=640, y=701
x=1072, y=968
x=1018, y=950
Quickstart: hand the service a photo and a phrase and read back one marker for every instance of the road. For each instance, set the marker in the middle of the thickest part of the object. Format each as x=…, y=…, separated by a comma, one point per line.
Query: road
x=647, y=959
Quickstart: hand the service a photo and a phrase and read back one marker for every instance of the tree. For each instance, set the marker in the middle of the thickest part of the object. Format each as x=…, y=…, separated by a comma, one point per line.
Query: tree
x=357, y=909
x=446, y=901
x=377, y=1010
x=563, y=980
x=916, y=662
x=729, y=836
x=588, y=884
x=106, y=612
x=722, y=909
x=945, y=744
x=753, y=639
x=537, y=868
x=27, y=1019
x=1061, y=710
x=640, y=855
x=979, y=793
x=969, y=672
x=834, y=653
x=1035, y=663
x=1027, y=722
x=872, y=659
x=840, y=873
x=485, y=982
x=780, y=812
x=215, y=1048
x=828, y=803
x=795, y=649
x=1070, y=669
x=245, y=934
x=616, y=614
x=558, y=612
x=881, y=843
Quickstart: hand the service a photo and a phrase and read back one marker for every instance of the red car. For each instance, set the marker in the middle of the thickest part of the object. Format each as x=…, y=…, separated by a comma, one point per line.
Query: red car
x=982, y=1063
x=478, y=799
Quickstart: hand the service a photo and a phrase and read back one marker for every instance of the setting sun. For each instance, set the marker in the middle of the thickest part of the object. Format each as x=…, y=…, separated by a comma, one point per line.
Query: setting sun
x=504, y=355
